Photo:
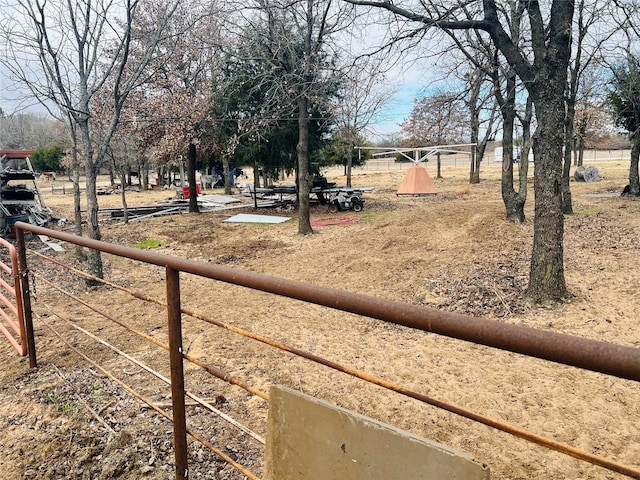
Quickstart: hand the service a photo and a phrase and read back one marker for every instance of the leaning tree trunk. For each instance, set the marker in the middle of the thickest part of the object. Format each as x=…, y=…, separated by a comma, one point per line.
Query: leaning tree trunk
x=304, y=219
x=546, y=276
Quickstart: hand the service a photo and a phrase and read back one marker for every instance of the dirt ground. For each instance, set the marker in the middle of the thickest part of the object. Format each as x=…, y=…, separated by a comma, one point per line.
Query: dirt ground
x=453, y=251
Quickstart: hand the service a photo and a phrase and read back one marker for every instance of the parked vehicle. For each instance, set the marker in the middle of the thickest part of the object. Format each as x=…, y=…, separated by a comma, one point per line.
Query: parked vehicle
x=346, y=200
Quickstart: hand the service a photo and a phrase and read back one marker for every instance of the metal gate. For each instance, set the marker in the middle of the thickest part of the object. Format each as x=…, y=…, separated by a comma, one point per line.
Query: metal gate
x=12, y=323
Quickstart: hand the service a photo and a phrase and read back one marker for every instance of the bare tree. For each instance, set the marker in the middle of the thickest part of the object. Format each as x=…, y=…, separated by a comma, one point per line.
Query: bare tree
x=480, y=52
x=436, y=120
x=362, y=95
x=507, y=90
x=293, y=39
x=590, y=15
x=66, y=53
x=121, y=151
x=482, y=113
x=30, y=131
x=175, y=109
x=544, y=75
x=592, y=121
x=624, y=94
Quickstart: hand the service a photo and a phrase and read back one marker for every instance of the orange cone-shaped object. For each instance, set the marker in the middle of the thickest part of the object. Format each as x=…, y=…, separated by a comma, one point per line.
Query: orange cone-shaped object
x=417, y=182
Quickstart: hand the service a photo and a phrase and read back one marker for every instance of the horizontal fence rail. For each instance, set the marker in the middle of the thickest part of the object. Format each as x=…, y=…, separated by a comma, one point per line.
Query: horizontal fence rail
x=602, y=357
x=623, y=362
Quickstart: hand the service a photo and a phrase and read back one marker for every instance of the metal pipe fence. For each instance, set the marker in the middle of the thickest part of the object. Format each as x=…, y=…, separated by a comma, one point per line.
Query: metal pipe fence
x=459, y=160
x=619, y=361
x=12, y=313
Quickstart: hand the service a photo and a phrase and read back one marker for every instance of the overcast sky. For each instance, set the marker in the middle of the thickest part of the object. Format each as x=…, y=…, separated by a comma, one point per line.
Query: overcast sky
x=407, y=82
x=393, y=114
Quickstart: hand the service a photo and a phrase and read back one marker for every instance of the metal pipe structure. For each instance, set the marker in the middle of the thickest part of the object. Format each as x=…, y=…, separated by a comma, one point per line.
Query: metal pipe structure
x=16, y=293
x=597, y=356
x=177, y=373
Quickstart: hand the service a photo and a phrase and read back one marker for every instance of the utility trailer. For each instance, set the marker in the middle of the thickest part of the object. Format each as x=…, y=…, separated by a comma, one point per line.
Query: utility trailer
x=20, y=196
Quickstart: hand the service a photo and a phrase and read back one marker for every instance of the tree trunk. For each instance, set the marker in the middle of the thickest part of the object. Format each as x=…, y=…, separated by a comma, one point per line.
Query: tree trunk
x=513, y=201
x=349, y=164
x=523, y=167
x=94, y=258
x=191, y=177
x=567, y=205
x=77, y=210
x=474, y=114
x=226, y=172
x=439, y=166
x=304, y=220
x=144, y=175
x=474, y=171
x=123, y=196
x=546, y=276
x=580, y=152
x=91, y=168
x=634, y=180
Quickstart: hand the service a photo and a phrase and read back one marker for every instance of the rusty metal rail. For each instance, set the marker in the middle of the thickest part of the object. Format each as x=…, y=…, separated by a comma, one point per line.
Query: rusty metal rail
x=16, y=324
x=620, y=361
x=597, y=356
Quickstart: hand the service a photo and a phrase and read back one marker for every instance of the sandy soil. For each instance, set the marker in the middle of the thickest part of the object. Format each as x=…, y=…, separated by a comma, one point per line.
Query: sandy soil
x=452, y=251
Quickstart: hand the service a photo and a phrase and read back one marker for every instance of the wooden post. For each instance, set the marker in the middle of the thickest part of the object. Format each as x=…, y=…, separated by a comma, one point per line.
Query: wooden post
x=26, y=298
x=177, y=373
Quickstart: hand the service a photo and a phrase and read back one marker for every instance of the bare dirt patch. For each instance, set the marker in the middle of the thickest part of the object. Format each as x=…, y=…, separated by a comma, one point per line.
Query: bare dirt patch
x=452, y=251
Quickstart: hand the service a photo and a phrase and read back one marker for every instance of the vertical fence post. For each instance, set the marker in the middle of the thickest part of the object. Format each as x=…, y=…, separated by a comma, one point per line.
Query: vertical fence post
x=177, y=373
x=26, y=297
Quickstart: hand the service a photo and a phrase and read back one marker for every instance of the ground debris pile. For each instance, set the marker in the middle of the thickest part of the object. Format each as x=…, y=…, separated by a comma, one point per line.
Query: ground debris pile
x=496, y=292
